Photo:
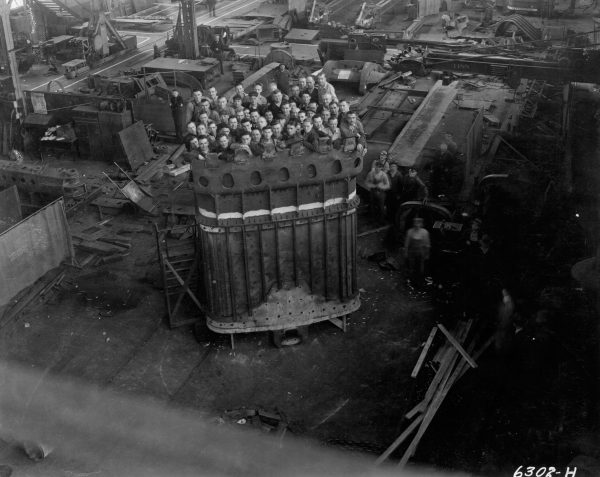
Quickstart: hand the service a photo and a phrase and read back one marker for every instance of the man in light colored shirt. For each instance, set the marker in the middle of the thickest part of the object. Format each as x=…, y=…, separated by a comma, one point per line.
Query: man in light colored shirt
x=378, y=184
x=262, y=101
x=325, y=88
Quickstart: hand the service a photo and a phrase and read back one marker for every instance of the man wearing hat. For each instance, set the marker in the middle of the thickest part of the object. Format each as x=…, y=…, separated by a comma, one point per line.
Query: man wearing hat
x=384, y=161
x=412, y=187
x=353, y=134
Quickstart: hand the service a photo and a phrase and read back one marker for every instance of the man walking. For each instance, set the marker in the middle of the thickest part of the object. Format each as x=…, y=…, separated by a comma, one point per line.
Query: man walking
x=416, y=248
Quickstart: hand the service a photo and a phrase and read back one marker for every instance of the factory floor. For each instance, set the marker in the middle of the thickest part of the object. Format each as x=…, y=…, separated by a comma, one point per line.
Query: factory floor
x=106, y=326
x=350, y=390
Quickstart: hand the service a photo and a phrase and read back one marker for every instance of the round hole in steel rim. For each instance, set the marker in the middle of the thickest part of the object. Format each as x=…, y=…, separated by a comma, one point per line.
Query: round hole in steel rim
x=227, y=181
x=203, y=181
x=336, y=166
x=311, y=171
x=255, y=178
x=284, y=174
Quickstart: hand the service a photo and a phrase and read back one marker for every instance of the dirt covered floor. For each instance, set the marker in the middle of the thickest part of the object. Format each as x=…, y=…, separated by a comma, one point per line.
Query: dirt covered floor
x=106, y=325
x=350, y=390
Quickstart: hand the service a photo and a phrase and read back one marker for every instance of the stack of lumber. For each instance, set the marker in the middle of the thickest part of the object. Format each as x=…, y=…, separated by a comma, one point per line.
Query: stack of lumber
x=453, y=359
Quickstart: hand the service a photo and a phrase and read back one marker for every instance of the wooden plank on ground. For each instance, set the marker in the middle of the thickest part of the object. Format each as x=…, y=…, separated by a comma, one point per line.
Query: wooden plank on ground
x=415, y=410
x=447, y=360
x=421, y=359
x=94, y=246
x=399, y=440
x=437, y=401
x=457, y=345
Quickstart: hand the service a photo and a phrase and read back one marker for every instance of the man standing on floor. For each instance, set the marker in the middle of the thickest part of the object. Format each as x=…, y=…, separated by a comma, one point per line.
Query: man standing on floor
x=416, y=249
x=178, y=111
x=212, y=11
x=378, y=184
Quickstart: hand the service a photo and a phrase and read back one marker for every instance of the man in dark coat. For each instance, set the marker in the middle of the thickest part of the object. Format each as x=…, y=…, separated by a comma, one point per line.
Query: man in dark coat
x=178, y=111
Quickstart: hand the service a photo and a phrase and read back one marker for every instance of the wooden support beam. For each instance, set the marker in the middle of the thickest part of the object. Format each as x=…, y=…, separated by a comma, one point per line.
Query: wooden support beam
x=185, y=286
x=399, y=440
x=458, y=346
x=477, y=355
x=421, y=359
x=437, y=401
x=445, y=362
x=415, y=410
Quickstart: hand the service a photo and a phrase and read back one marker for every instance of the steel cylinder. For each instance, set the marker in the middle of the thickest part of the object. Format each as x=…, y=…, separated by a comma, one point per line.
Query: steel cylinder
x=277, y=240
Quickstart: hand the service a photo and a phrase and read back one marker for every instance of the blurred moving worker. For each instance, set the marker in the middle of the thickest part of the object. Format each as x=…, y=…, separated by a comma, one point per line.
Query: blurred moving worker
x=212, y=11
x=378, y=184
x=413, y=188
x=417, y=246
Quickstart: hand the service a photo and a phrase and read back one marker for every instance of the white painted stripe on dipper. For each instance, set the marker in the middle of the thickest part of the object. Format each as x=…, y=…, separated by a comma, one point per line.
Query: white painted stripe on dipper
x=257, y=213
x=277, y=210
x=284, y=210
x=207, y=213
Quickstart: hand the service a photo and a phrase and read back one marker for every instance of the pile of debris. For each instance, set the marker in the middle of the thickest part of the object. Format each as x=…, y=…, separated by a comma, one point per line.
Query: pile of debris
x=104, y=243
x=452, y=361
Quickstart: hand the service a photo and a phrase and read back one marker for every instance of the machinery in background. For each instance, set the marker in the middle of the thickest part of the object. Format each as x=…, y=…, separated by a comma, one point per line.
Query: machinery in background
x=212, y=41
x=24, y=52
x=134, y=85
x=361, y=73
x=93, y=42
x=358, y=46
x=100, y=38
x=368, y=16
x=41, y=182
